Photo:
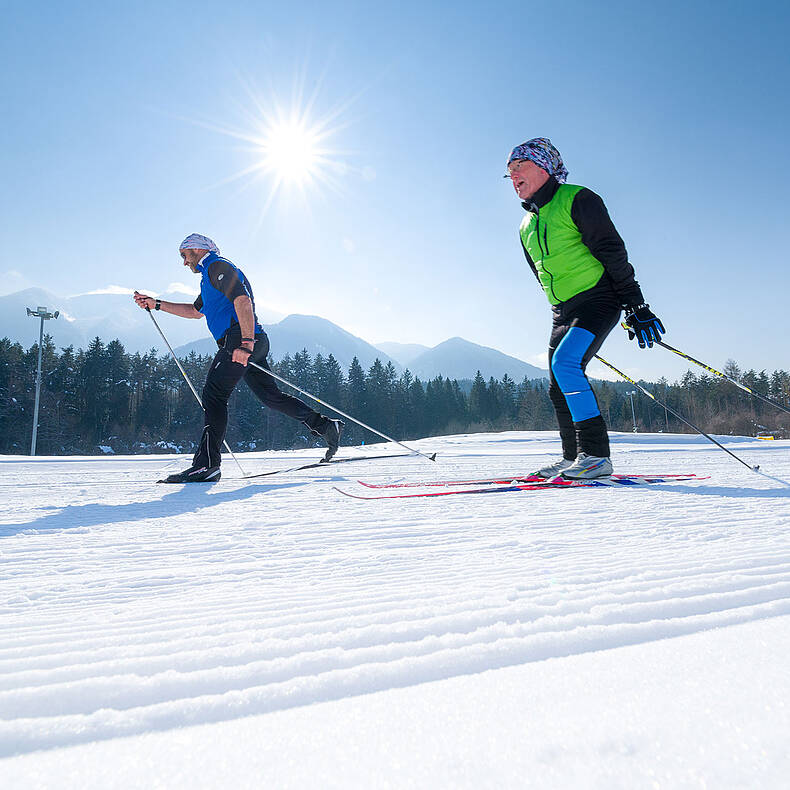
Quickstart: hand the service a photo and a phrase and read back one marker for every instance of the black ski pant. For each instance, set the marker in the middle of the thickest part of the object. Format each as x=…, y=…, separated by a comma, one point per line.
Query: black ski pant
x=223, y=377
x=577, y=334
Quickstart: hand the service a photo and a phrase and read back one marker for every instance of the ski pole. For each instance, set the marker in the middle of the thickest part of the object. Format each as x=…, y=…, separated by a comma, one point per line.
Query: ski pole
x=672, y=411
x=186, y=378
x=431, y=457
x=720, y=374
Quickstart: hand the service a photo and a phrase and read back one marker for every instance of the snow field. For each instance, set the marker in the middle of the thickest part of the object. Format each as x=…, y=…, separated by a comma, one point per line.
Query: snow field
x=131, y=610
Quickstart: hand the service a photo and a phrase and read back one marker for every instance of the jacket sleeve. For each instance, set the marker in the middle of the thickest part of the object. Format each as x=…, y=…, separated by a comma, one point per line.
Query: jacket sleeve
x=226, y=280
x=599, y=234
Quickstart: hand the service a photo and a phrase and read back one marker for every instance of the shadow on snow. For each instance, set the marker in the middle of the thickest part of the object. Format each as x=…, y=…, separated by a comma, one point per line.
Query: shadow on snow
x=191, y=498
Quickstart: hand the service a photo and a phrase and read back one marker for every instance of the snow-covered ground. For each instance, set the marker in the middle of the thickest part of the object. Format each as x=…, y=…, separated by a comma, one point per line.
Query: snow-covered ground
x=274, y=633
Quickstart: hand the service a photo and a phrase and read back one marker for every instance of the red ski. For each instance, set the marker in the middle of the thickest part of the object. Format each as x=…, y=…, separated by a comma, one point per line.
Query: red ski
x=545, y=485
x=520, y=479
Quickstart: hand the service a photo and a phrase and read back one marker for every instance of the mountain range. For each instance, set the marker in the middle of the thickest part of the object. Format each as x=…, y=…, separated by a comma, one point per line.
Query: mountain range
x=457, y=358
x=317, y=335
x=111, y=315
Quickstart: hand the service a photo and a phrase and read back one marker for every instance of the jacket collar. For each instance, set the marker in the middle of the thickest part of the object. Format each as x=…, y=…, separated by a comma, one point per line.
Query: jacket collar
x=208, y=258
x=542, y=196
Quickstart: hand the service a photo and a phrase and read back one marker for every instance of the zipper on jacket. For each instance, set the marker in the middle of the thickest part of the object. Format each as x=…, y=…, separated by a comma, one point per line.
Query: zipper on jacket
x=545, y=252
x=537, y=233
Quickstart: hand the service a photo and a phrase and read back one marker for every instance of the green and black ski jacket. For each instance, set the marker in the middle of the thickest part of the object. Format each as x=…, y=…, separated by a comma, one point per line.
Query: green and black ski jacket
x=573, y=247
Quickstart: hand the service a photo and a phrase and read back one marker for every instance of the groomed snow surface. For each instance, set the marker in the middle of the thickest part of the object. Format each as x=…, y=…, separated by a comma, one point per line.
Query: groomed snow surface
x=275, y=634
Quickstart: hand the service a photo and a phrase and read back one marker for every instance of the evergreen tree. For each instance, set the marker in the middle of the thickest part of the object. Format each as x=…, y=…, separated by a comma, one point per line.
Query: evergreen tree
x=332, y=384
x=417, y=410
x=303, y=372
x=378, y=407
x=118, y=389
x=16, y=398
x=355, y=403
x=478, y=400
x=508, y=400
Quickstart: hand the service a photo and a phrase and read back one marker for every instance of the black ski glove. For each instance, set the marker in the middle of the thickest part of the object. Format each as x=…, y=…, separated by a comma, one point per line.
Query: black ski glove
x=643, y=325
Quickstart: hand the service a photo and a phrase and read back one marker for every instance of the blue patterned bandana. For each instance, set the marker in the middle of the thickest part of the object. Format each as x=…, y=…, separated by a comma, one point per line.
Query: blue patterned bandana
x=197, y=242
x=540, y=151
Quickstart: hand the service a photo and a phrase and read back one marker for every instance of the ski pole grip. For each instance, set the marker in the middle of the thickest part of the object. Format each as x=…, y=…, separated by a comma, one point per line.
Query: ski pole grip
x=148, y=309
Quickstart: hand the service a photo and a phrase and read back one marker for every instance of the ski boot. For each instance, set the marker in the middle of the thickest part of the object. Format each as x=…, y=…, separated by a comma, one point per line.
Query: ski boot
x=331, y=435
x=551, y=470
x=195, y=474
x=587, y=467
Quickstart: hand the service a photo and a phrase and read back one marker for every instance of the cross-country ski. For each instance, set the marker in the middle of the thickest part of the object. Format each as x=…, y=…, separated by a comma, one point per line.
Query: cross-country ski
x=314, y=465
x=495, y=487
x=507, y=479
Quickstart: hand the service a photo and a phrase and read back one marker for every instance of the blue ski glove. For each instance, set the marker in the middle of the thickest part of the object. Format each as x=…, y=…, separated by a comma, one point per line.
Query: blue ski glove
x=643, y=325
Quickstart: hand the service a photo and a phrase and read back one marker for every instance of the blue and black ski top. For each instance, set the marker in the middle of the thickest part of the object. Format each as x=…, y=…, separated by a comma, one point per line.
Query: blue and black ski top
x=220, y=283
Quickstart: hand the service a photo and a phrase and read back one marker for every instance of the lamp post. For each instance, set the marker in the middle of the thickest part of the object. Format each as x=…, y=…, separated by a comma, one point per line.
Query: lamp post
x=666, y=413
x=633, y=413
x=44, y=315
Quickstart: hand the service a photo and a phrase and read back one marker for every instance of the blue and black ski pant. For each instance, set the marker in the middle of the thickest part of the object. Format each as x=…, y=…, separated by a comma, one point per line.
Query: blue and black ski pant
x=577, y=334
x=224, y=375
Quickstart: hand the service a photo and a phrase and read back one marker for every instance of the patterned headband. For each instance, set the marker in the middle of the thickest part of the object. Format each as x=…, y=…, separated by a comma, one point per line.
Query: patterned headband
x=540, y=151
x=196, y=241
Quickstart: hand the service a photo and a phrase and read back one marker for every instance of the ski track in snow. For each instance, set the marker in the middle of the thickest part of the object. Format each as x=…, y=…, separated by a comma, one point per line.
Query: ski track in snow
x=128, y=608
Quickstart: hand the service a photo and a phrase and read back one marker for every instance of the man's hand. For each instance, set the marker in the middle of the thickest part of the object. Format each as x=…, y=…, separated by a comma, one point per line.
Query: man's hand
x=643, y=325
x=242, y=354
x=146, y=302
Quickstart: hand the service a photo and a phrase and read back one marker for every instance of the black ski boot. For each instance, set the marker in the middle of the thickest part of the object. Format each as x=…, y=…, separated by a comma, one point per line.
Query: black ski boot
x=195, y=474
x=331, y=435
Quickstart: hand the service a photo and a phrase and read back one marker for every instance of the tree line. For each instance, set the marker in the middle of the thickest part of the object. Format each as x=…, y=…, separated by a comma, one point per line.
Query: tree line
x=103, y=399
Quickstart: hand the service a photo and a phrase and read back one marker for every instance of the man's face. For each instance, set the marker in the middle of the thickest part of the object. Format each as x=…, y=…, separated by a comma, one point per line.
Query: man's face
x=527, y=177
x=191, y=258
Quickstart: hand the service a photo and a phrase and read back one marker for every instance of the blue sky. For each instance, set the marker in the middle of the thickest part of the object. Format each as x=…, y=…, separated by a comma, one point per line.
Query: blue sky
x=676, y=113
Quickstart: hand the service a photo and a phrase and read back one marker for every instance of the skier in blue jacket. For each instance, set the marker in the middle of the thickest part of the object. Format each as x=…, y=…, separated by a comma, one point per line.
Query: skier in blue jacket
x=227, y=303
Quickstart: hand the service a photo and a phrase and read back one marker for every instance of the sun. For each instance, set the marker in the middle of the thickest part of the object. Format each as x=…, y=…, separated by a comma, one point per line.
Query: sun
x=289, y=148
x=291, y=151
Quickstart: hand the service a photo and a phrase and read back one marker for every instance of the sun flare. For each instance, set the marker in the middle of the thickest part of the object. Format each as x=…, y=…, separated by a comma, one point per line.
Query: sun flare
x=291, y=152
x=291, y=146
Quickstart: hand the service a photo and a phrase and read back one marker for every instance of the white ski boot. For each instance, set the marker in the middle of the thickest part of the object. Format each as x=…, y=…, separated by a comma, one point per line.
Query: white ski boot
x=588, y=467
x=552, y=470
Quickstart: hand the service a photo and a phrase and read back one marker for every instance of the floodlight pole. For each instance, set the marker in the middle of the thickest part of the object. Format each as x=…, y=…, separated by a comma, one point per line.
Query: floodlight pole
x=44, y=315
x=633, y=413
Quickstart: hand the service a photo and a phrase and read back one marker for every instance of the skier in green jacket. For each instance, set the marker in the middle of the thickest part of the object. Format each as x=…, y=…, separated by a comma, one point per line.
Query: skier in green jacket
x=581, y=263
